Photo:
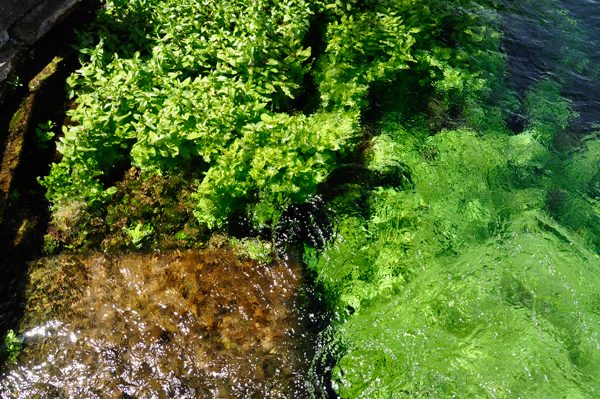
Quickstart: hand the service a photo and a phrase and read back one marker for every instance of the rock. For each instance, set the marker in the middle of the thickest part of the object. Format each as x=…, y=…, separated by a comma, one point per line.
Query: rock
x=37, y=22
x=6, y=62
x=3, y=37
x=12, y=10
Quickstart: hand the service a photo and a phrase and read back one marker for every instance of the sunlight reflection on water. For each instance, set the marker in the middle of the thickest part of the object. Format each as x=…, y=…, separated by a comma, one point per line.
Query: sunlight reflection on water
x=185, y=325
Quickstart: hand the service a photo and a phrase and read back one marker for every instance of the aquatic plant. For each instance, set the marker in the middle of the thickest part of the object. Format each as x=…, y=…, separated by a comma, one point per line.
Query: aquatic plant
x=12, y=346
x=217, y=90
x=446, y=276
x=256, y=249
x=443, y=280
x=138, y=233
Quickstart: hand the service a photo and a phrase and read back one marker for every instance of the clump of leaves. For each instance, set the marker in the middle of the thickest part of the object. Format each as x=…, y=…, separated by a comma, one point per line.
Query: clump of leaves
x=44, y=133
x=215, y=85
x=138, y=233
x=254, y=248
x=200, y=88
x=13, y=345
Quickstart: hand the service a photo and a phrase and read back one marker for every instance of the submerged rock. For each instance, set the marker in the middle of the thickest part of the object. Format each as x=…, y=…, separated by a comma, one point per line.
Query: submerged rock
x=187, y=325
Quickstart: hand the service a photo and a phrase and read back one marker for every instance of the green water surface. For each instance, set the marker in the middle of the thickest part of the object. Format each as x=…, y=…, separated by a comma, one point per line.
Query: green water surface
x=479, y=275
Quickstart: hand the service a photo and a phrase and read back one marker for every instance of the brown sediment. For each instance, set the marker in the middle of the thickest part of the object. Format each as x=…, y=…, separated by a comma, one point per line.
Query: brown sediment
x=194, y=324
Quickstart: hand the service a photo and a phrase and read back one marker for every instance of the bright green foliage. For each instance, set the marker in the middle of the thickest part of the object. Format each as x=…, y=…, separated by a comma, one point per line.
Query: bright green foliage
x=169, y=84
x=516, y=316
x=44, y=133
x=416, y=41
x=278, y=159
x=256, y=249
x=12, y=346
x=172, y=80
x=362, y=48
x=138, y=233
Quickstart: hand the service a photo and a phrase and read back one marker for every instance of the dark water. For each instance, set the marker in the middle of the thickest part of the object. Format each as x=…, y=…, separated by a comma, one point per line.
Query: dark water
x=542, y=44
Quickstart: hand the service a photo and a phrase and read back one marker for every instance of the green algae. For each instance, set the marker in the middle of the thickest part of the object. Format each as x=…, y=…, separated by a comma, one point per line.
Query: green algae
x=515, y=316
x=44, y=74
x=471, y=281
x=477, y=275
x=465, y=285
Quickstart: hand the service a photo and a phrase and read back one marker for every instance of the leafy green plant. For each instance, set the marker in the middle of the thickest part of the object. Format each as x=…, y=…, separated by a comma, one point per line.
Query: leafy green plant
x=139, y=233
x=15, y=83
x=12, y=346
x=474, y=258
x=181, y=235
x=44, y=133
x=256, y=249
x=216, y=86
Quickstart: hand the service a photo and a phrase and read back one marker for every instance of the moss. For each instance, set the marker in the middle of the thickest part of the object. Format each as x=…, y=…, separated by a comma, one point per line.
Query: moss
x=24, y=231
x=16, y=119
x=12, y=154
x=141, y=199
x=41, y=77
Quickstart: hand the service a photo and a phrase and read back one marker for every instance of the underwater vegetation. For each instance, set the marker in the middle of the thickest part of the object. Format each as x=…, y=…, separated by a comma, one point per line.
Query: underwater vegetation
x=12, y=346
x=476, y=273
x=463, y=286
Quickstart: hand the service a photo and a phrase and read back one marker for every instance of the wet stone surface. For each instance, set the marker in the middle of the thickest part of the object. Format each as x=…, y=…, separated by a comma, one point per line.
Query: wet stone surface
x=195, y=324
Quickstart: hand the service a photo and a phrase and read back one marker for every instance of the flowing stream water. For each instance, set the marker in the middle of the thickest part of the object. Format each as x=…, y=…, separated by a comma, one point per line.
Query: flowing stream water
x=480, y=278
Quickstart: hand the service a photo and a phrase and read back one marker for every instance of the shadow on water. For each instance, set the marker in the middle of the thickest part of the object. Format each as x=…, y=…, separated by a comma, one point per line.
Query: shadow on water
x=24, y=211
x=542, y=43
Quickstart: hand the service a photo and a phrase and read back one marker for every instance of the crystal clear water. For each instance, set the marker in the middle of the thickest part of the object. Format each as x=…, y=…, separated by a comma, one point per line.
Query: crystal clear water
x=183, y=325
x=478, y=276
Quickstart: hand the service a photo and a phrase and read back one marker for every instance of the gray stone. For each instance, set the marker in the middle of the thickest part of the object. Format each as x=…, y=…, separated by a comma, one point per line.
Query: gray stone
x=6, y=62
x=3, y=37
x=12, y=10
x=37, y=22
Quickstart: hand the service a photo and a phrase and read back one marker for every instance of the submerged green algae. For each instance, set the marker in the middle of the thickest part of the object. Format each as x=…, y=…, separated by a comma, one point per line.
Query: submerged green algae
x=465, y=282
x=475, y=270
x=514, y=317
x=477, y=292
